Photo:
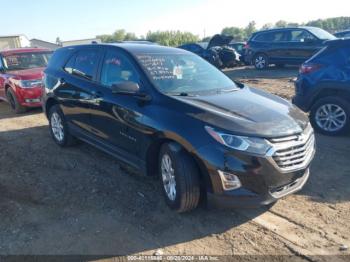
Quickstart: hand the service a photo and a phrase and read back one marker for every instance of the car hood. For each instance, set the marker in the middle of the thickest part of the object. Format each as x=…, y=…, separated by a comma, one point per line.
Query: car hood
x=248, y=111
x=219, y=40
x=27, y=74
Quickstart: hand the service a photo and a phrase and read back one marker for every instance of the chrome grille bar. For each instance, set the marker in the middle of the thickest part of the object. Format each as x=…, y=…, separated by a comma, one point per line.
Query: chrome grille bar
x=294, y=152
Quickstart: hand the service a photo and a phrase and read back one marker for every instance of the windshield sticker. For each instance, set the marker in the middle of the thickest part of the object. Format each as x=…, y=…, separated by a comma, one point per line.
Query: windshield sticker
x=177, y=72
x=157, y=67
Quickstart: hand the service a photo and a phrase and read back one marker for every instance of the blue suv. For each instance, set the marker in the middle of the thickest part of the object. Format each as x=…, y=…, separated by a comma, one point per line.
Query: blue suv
x=284, y=46
x=323, y=88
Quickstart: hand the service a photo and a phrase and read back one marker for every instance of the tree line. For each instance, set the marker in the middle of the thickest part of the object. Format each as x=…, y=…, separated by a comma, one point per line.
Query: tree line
x=176, y=38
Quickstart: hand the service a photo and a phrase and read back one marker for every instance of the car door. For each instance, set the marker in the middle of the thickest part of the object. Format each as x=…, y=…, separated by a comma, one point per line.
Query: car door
x=117, y=118
x=302, y=45
x=271, y=43
x=77, y=90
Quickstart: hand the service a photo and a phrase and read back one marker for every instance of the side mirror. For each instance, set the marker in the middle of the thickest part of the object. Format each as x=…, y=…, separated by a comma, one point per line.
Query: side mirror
x=125, y=88
x=130, y=88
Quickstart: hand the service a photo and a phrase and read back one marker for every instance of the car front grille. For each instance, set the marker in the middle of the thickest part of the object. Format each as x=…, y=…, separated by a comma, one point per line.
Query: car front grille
x=294, y=152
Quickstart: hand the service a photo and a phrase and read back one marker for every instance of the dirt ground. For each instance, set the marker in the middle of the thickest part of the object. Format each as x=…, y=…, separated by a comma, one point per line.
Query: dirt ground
x=80, y=201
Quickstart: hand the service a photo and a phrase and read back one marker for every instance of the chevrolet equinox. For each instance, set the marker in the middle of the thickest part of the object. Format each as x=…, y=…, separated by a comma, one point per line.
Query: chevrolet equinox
x=165, y=111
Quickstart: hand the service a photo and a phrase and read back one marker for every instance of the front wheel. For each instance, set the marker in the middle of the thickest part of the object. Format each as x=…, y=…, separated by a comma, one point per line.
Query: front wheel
x=260, y=61
x=179, y=178
x=59, y=128
x=331, y=116
x=15, y=105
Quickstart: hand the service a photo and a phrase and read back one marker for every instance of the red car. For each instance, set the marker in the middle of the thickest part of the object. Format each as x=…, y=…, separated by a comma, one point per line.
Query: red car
x=21, y=77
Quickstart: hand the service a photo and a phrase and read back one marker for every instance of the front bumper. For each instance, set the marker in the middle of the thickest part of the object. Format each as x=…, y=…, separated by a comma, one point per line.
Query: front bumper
x=264, y=179
x=244, y=198
x=29, y=97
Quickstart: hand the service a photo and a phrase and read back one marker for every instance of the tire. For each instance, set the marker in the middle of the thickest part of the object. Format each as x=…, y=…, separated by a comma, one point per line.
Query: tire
x=57, y=123
x=15, y=105
x=184, y=174
x=340, y=109
x=261, y=61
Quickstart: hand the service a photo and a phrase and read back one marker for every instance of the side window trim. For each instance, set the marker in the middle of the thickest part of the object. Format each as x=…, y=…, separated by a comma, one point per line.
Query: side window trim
x=95, y=73
x=122, y=53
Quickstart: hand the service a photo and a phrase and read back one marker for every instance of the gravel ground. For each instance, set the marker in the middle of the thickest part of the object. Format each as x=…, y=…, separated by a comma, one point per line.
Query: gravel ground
x=81, y=201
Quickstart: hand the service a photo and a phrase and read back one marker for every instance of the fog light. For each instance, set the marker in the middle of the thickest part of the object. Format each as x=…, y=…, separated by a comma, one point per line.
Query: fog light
x=36, y=100
x=229, y=181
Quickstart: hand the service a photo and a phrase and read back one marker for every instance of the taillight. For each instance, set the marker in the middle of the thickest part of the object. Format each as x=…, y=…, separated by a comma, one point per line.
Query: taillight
x=309, y=68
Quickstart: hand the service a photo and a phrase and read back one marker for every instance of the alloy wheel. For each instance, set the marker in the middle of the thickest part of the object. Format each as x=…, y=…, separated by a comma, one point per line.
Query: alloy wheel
x=330, y=117
x=57, y=126
x=168, y=177
x=260, y=62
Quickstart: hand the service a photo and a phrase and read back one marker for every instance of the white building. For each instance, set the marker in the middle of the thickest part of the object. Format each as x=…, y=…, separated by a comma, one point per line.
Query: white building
x=13, y=41
x=43, y=44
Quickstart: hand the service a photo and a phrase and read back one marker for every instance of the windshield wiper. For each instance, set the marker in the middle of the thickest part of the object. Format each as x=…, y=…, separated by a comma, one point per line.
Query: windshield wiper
x=227, y=90
x=180, y=94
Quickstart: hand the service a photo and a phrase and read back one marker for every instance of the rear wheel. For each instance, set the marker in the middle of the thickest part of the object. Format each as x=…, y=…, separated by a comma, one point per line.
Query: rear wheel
x=59, y=128
x=15, y=105
x=179, y=178
x=331, y=116
x=260, y=61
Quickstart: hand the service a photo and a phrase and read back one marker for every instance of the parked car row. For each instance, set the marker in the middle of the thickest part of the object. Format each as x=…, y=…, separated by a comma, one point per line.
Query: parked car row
x=217, y=51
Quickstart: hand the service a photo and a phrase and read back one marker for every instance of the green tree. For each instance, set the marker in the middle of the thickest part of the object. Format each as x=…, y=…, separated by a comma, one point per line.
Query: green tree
x=250, y=29
x=130, y=36
x=267, y=26
x=332, y=24
x=281, y=23
x=119, y=35
x=171, y=38
x=237, y=33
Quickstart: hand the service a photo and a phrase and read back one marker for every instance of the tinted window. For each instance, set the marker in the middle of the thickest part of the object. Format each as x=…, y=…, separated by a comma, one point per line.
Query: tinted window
x=300, y=36
x=270, y=37
x=83, y=64
x=117, y=68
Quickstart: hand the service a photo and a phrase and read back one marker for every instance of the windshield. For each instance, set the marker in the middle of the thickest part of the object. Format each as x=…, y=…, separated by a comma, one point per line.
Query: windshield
x=21, y=61
x=184, y=74
x=321, y=34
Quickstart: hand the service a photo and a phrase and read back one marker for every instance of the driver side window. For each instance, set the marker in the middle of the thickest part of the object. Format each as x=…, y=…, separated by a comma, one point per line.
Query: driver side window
x=117, y=68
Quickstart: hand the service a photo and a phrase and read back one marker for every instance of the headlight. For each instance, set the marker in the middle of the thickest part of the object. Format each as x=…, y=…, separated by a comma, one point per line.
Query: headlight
x=249, y=144
x=29, y=83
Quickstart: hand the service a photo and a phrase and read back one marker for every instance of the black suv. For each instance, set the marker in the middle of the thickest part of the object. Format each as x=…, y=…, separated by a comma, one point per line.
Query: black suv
x=283, y=46
x=167, y=112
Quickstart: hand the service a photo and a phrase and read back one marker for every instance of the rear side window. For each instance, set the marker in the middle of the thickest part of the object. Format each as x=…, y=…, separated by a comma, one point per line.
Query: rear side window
x=300, y=36
x=83, y=64
x=270, y=37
